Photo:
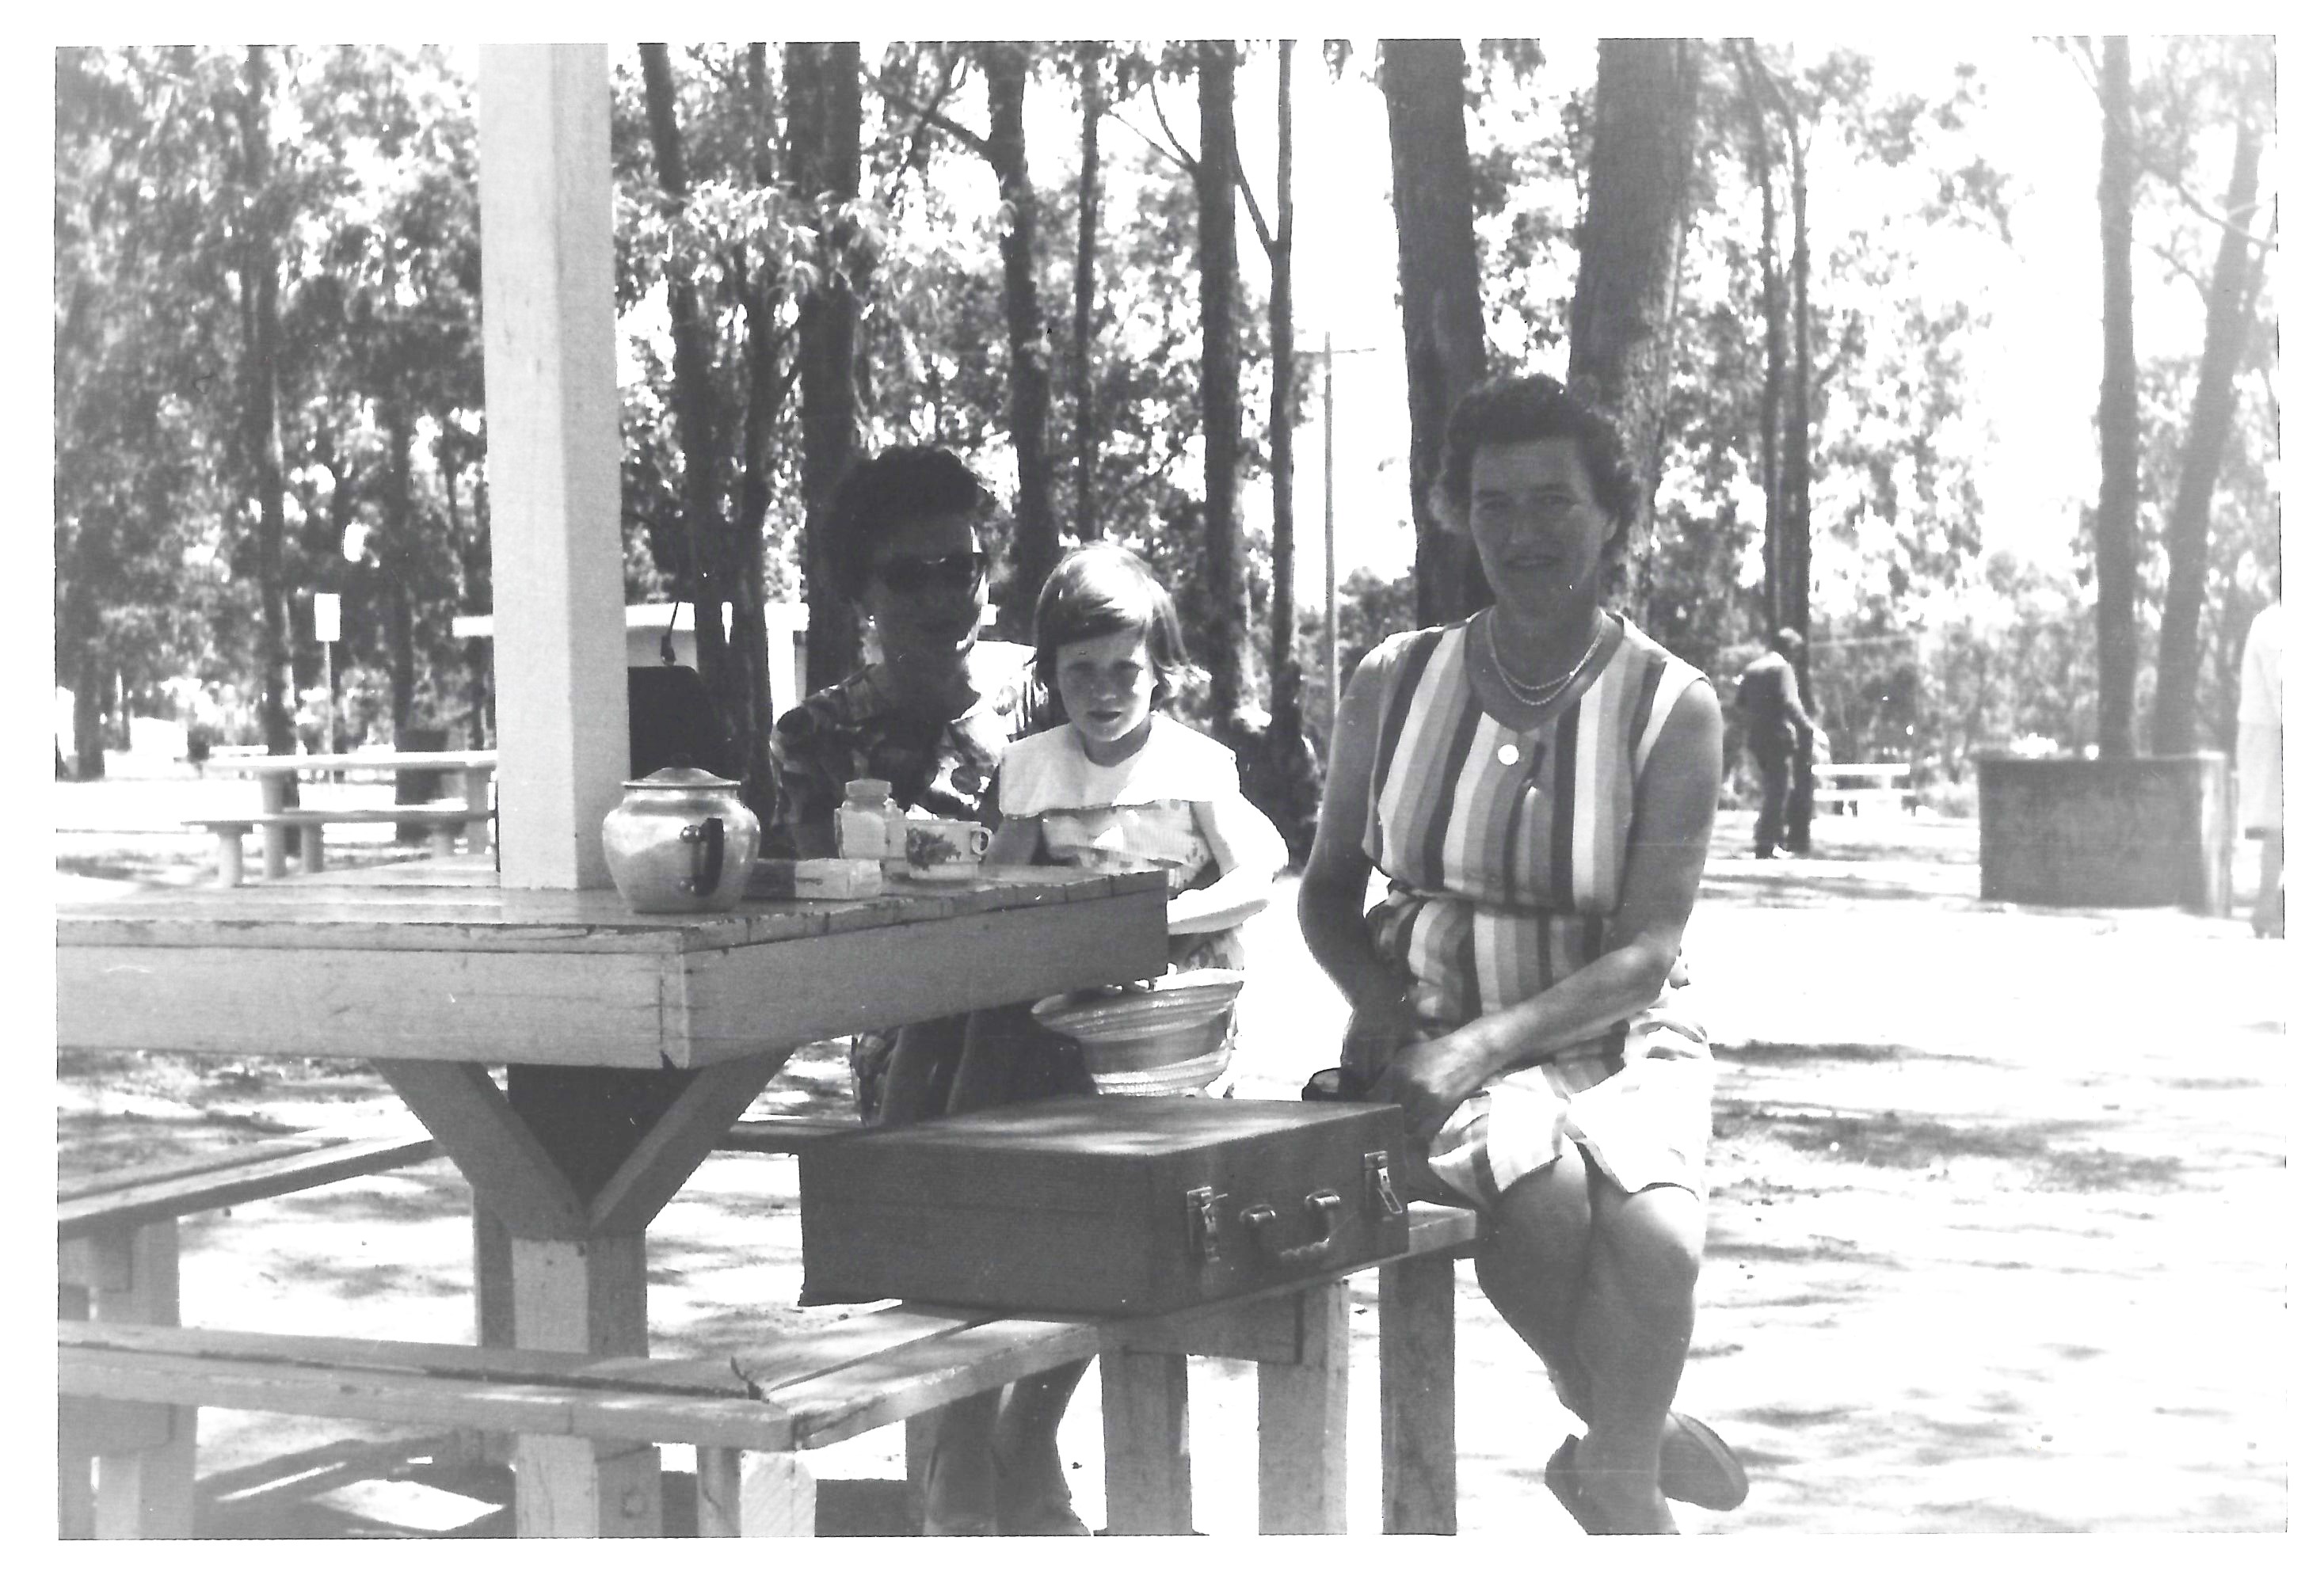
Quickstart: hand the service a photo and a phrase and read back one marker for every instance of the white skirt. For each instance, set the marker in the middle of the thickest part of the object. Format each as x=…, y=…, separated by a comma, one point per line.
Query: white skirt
x=1645, y=1123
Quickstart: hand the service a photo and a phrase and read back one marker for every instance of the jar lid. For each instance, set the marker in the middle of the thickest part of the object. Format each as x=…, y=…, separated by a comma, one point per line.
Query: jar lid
x=868, y=790
x=682, y=777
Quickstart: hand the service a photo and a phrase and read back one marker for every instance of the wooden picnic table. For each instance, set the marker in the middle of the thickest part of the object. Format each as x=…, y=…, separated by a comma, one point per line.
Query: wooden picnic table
x=435, y=973
x=275, y=772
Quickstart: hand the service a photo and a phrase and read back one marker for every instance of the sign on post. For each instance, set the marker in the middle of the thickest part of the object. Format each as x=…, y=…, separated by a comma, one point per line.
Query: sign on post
x=326, y=618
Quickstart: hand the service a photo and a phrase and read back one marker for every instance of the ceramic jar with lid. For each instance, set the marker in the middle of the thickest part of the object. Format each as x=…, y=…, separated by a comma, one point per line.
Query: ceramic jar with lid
x=682, y=840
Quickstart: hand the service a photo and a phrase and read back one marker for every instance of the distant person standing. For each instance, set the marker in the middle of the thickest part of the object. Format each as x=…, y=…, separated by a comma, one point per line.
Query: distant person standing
x=2259, y=762
x=1781, y=738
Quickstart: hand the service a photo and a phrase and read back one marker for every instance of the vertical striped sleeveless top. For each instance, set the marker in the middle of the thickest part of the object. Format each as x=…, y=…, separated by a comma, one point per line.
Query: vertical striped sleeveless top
x=1505, y=849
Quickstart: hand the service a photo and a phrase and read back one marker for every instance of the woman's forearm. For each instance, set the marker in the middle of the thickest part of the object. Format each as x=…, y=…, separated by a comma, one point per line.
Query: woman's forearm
x=1616, y=986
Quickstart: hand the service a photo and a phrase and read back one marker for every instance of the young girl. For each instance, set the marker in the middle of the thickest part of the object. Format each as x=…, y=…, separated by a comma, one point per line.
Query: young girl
x=1119, y=786
x=1116, y=786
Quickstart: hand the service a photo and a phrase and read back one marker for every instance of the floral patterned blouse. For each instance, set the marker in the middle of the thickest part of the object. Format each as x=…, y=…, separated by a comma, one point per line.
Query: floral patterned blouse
x=944, y=768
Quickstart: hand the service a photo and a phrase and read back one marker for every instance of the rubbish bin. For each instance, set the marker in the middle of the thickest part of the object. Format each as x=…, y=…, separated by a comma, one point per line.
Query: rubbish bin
x=420, y=786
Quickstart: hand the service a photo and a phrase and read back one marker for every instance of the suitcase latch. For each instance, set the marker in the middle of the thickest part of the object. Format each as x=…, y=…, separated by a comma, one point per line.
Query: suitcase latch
x=1202, y=1225
x=1381, y=1197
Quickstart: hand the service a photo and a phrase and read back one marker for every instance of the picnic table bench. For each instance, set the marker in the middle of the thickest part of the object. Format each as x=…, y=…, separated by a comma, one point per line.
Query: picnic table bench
x=275, y=772
x=750, y=1417
x=117, y=1260
x=443, y=821
x=1853, y=788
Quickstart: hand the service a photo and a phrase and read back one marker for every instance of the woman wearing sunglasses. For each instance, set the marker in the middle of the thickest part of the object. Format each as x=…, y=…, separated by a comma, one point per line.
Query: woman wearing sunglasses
x=929, y=715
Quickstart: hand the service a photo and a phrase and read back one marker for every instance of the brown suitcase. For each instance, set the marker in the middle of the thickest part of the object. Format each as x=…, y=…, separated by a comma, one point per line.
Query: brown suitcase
x=1104, y=1206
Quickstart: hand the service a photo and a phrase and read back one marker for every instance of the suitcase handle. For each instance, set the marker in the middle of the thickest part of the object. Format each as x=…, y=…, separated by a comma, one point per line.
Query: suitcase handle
x=1322, y=1205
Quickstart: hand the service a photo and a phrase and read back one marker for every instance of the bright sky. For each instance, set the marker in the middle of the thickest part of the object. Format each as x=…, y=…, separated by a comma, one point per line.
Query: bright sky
x=2040, y=376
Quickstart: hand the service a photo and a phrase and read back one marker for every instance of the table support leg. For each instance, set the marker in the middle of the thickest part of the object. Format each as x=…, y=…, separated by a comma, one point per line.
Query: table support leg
x=1149, y=1486
x=919, y=1450
x=568, y=1488
x=752, y=1495
x=229, y=856
x=1302, y=1423
x=1418, y=1488
x=147, y=1492
x=310, y=848
x=585, y=1295
x=477, y=786
x=274, y=842
x=577, y=1265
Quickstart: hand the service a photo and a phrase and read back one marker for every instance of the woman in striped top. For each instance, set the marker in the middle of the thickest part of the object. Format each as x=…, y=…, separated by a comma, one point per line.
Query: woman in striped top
x=1537, y=783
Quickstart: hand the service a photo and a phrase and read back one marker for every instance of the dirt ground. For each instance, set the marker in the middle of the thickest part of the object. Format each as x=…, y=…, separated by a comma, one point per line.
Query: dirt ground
x=1997, y=1230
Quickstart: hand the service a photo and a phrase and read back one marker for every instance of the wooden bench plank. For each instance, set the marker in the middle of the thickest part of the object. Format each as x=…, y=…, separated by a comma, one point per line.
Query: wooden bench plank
x=298, y=818
x=87, y=1213
x=387, y=1396
x=452, y=1360
x=254, y=1153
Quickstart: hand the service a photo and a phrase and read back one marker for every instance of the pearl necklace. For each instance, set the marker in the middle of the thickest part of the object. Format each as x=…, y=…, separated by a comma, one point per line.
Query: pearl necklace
x=1534, y=696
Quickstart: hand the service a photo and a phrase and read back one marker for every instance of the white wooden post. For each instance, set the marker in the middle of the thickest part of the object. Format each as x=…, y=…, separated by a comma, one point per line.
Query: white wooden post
x=545, y=144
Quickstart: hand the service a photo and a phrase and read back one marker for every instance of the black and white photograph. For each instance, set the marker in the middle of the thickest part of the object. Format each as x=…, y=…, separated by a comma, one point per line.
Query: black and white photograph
x=1022, y=788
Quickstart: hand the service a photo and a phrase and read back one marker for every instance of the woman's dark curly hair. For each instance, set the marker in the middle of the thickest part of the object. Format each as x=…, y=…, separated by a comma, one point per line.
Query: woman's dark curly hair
x=902, y=485
x=1518, y=407
x=1103, y=588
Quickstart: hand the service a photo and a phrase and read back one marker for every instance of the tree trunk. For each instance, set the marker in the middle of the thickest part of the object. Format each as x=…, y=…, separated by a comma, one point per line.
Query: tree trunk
x=1283, y=661
x=1093, y=97
x=1034, y=551
x=823, y=112
x=88, y=714
x=1227, y=623
x=261, y=426
x=1443, y=311
x=1777, y=339
x=1288, y=786
x=709, y=581
x=754, y=744
x=476, y=653
x=1799, y=417
x=1641, y=158
x=2230, y=302
x=400, y=528
x=2114, y=529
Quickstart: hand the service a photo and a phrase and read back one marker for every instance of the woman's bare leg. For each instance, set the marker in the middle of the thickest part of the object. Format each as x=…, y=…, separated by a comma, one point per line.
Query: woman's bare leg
x=1632, y=1323
x=1529, y=1266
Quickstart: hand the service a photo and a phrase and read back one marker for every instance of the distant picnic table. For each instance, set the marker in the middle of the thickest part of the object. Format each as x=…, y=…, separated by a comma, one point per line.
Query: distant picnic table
x=275, y=772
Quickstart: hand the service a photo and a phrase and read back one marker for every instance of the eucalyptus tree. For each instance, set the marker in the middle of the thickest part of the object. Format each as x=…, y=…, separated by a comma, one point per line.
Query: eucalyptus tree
x=922, y=80
x=2203, y=83
x=1423, y=81
x=1626, y=287
x=139, y=328
x=823, y=157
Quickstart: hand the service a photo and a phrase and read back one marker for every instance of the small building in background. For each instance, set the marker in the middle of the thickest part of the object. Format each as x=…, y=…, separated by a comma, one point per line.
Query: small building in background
x=648, y=623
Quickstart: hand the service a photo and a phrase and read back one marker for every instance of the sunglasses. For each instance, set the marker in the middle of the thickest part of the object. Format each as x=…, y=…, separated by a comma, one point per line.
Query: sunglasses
x=909, y=573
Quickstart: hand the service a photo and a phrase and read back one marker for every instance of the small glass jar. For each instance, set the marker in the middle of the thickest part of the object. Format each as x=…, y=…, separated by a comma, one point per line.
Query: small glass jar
x=860, y=826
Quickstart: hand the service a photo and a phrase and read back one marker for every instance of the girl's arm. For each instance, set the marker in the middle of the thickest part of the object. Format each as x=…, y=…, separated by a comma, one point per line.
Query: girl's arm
x=1017, y=841
x=1249, y=854
x=1670, y=838
x=1331, y=889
